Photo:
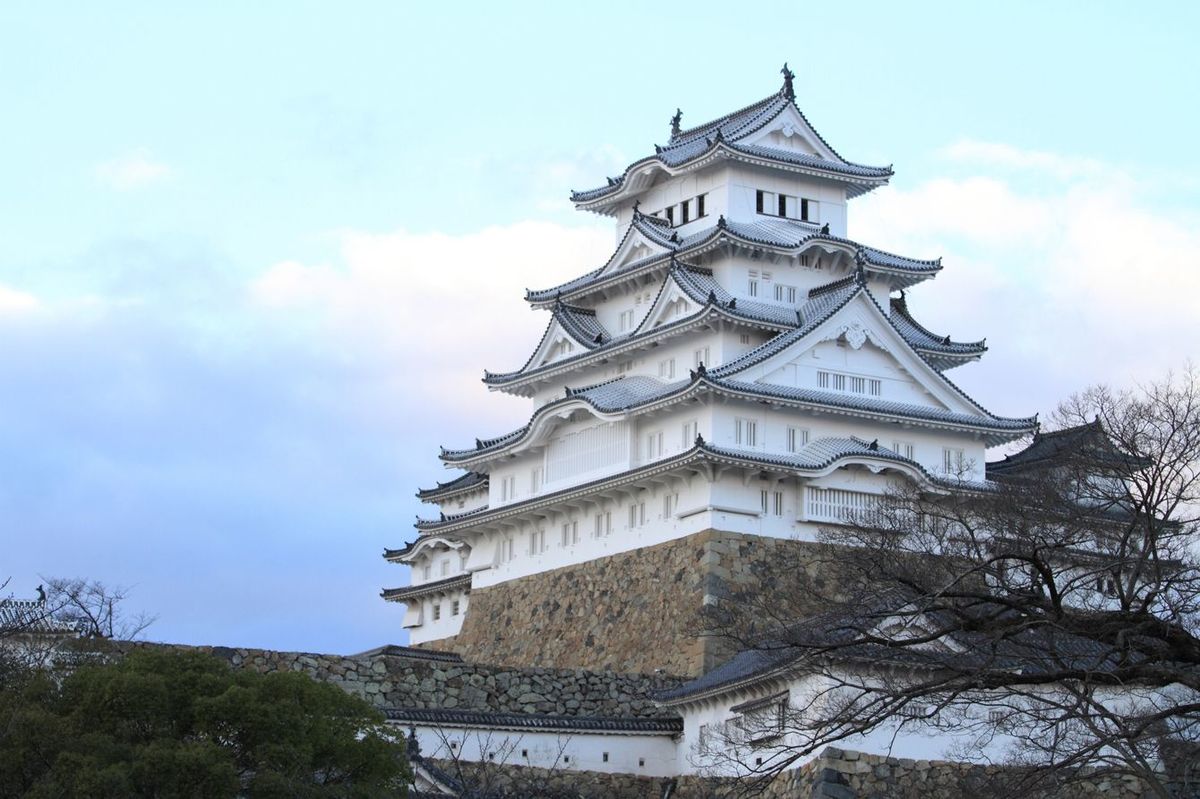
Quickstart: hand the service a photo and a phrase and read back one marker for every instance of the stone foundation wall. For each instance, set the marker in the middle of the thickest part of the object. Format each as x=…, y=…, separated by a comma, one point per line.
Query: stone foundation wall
x=638, y=611
x=527, y=782
x=839, y=774
x=389, y=680
x=835, y=774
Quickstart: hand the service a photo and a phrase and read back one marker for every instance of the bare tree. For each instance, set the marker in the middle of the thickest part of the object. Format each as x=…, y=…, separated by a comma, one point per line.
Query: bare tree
x=95, y=608
x=66, y=618
x=1048, y=616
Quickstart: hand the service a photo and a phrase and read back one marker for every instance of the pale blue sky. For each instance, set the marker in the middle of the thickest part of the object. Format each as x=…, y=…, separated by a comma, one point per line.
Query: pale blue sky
x=242, y=458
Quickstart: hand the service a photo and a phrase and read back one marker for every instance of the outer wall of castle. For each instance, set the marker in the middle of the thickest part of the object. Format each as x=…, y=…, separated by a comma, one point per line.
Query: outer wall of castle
x=634, y=612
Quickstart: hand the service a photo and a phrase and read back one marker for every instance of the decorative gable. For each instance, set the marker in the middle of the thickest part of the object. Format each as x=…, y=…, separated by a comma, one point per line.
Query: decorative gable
x=671, y=304
x=790, y=131
x=635, y=247
x=557, y=344
x=857, y=352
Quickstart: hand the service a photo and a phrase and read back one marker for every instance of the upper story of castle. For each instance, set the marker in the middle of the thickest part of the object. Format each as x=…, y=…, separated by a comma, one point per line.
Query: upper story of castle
x=764, y=164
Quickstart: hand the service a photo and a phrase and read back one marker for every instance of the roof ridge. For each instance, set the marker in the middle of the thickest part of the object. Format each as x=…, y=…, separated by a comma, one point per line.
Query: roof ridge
x=693, y=133
x=900, y=305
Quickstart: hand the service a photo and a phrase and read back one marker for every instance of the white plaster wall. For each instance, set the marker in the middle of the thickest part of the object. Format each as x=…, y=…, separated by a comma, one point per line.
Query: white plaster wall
x=712, y=180
x=464, y=503
x=746, y=181
x=642, y=754
x=725, y=756
x=734, y=274
x=723, y=345
x=442, y=560
x=418, y=617
x=773, y=424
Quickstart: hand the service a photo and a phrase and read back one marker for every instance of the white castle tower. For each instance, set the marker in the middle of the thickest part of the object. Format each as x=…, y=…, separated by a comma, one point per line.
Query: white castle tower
x=737, y=364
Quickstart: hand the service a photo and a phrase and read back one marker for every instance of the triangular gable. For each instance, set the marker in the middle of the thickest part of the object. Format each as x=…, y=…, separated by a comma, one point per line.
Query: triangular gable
x=672, y=304
x=910, y=625
x=789, y=130
x=858, y=334
x=635, y=246
x=557, y=344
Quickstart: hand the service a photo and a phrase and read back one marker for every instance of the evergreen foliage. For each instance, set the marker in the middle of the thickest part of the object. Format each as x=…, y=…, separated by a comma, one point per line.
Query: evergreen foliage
x=170, y=724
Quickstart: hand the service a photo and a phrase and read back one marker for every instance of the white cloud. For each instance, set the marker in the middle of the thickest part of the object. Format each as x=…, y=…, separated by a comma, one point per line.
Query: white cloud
x=132, y=171
x=1071, y=285
x=438, y=308
x=1074, y=281
x=997, y=155
x=15, y=302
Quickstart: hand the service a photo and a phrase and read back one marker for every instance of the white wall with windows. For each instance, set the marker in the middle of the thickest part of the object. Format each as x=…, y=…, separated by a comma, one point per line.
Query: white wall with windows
x=672, y=192
x=431, y=618
x=827, y=199
x=637, y=753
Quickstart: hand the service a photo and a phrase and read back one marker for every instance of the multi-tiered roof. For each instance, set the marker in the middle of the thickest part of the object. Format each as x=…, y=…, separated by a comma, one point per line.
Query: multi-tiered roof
x=681, y=267
x=729, y=137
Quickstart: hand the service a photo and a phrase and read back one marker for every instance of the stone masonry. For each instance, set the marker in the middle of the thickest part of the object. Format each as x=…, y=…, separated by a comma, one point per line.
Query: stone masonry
x=403, y=678
x=638, y=611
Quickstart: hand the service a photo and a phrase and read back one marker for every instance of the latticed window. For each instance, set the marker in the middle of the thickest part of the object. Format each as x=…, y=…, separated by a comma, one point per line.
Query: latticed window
x=838, y=504
x=745, y=431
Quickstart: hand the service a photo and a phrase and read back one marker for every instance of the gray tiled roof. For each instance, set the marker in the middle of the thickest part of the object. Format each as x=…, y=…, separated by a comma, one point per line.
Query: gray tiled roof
x=464, y=482
x=729, y=132
x=1029, y=649
x=33, y=617
x=701, y=451
x=404, y=594
x=629, y=393
x=1088, y=442
x=784, y=234
x=698, y=284
x=626, y=393
x=936, y=347
x=411, y=652
x=822, y=452
x=582, y=325
x=874, y=405
x=532, y=721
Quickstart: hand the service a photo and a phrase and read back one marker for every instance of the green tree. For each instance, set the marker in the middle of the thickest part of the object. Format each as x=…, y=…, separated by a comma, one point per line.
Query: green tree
x=169, y=724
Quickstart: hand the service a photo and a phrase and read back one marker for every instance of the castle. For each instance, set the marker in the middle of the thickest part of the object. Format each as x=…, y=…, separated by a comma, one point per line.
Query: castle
x=737, y=364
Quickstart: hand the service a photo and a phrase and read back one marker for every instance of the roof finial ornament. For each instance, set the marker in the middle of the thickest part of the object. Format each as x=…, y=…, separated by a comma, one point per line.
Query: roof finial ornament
x=788, y=91
x=636, y=204
x=42, y=591
x=675, y=123
x=874, y=447
x=825, y=229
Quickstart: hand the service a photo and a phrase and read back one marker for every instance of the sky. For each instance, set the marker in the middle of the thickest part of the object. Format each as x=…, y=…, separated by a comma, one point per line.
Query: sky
x=254, y=258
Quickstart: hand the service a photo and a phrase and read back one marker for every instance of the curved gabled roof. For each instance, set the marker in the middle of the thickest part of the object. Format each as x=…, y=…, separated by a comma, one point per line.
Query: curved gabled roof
x=786, y=235
x=815, y=460
x=695, y=283
x=628, y=393
x=410, y=592
x=633, y=393
x=461, y=484
x=782, y=342
x=729, y=134
x=938, y=349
